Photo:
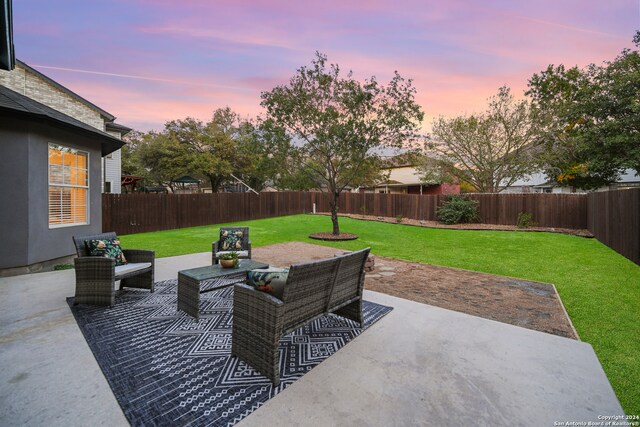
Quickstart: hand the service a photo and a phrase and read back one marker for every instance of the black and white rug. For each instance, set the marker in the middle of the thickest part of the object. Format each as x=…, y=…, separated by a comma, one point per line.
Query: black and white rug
x=166, y=368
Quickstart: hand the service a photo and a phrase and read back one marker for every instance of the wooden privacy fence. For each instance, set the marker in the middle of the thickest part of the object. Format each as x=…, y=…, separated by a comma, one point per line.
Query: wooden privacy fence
x=144, y=212
x=548, y=210
x=140, y=212
x=612, y=216
x=614, y=219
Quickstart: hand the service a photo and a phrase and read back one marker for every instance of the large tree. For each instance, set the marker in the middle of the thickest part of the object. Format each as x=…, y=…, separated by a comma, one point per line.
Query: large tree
x=160, y=159
x=131, y=164
x=214, y=150
x=337, y=123
x=592, y=131
x=213, y=146
x=488, y=150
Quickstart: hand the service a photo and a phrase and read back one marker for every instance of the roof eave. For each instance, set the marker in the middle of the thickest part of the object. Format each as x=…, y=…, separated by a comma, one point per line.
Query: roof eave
x=108, y=144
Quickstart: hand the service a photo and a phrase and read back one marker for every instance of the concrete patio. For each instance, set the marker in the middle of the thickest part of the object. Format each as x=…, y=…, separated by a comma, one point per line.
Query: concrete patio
x=420, y=365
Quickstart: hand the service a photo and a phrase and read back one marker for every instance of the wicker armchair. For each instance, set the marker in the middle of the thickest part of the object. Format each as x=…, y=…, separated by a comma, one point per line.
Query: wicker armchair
x=312, y=290
x=243, y=253
x=96, y=276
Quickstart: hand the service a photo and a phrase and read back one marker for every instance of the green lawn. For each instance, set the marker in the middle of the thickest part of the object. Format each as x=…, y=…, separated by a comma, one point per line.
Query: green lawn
x=599, y=288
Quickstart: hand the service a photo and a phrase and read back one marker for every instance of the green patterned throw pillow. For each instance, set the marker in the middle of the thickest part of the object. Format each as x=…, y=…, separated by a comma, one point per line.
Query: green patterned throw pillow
x=107, y=248
x=231, y=240
x=270, y=280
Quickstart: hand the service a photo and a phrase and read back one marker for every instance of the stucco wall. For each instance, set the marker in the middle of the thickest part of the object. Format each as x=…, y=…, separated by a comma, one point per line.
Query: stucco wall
x=14, y=209
x=33, y=86
x=25, y=147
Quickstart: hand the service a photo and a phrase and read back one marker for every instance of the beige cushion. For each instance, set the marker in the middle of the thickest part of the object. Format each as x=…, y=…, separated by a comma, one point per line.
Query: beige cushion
x=131, y=267
x=240, y=253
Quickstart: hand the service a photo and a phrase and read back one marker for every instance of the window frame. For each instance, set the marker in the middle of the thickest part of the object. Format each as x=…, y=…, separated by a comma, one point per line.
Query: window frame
x=62, y=148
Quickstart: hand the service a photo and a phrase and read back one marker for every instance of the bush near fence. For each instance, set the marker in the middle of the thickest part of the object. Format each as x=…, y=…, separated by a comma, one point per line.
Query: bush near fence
x=613, y=216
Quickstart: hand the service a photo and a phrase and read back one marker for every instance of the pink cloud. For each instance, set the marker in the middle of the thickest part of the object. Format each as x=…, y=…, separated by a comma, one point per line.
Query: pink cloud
x=170, y=60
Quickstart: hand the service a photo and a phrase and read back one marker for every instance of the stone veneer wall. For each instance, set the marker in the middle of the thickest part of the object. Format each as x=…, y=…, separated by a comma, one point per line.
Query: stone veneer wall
x=31, y=85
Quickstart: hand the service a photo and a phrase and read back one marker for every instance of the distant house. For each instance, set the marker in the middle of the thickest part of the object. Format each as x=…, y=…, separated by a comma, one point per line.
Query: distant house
x=404, y=178
x=35, y=85
x=51, y=182
x=540, y=183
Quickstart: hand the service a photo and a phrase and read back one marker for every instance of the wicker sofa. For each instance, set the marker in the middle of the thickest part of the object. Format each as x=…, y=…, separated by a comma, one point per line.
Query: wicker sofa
x=243, y=253
x=312, y=290
x=96, y=276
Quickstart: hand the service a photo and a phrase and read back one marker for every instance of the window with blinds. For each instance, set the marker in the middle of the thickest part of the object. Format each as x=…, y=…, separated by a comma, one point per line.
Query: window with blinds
x=68, y=186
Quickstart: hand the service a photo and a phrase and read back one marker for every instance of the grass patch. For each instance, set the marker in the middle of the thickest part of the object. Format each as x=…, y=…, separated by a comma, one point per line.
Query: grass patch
x=599, y=288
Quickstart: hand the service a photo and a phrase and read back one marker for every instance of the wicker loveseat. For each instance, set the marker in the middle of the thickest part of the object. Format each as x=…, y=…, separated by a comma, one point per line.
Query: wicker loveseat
x=312, y=290
x=96, y=276
x=244, y=249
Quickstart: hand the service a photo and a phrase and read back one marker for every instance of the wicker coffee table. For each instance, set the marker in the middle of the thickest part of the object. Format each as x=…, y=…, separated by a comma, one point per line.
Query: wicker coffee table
x=190, y=281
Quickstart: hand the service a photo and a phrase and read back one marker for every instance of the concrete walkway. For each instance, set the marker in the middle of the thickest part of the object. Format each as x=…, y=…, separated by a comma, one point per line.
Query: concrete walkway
x=420, y=365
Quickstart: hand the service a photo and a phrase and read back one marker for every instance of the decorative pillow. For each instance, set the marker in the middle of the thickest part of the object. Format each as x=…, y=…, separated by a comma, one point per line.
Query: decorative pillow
x=270, y=280
x=231, y=240
x=107, y=248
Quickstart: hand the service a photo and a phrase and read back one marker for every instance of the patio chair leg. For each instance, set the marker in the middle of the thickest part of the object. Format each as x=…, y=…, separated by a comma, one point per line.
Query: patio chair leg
x=262, y=358
x=142, y=281
x=352, y=311
x=260, y=353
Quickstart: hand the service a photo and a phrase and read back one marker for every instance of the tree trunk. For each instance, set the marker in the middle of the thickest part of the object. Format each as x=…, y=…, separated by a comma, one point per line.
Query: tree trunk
x=215, y=183
x=334, y=212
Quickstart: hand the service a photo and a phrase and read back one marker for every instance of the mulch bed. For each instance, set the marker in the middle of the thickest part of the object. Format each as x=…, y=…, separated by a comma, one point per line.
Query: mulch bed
x=475, y=226
x=334, y=237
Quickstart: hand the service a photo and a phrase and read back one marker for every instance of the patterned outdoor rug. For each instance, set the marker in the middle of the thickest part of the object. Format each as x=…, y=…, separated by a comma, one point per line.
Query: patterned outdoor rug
x=165, y=368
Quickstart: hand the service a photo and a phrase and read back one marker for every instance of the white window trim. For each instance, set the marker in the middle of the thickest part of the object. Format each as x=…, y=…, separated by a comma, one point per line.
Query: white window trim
x=49, y=185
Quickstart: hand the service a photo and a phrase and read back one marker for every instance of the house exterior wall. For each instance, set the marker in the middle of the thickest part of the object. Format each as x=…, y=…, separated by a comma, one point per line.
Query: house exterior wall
x=112, y=168
x=539, y=183
x=24, y=146
x=14, y=203
x=406, y=180
x=28, y=84
x=441, y=189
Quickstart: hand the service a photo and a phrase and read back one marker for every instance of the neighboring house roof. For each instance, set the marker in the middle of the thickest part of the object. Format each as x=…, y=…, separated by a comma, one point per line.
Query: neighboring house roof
x=108, y=116
x=13, y=103
x=629, y=175
x=531, y=180
x=541, y=180
x=400, y=160
x=405, y=175
x=116, y=127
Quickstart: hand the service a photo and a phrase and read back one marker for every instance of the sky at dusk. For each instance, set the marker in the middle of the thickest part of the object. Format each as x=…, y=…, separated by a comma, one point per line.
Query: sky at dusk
x=150, y=61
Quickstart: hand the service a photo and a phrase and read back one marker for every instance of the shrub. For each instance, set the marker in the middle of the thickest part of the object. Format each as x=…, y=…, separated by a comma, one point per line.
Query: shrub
x=525, y=220
x=458, y=209
x=399, y=218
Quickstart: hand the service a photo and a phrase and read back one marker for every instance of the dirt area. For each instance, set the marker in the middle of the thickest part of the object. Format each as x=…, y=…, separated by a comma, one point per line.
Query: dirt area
x=436, y=224
x=518, y=302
